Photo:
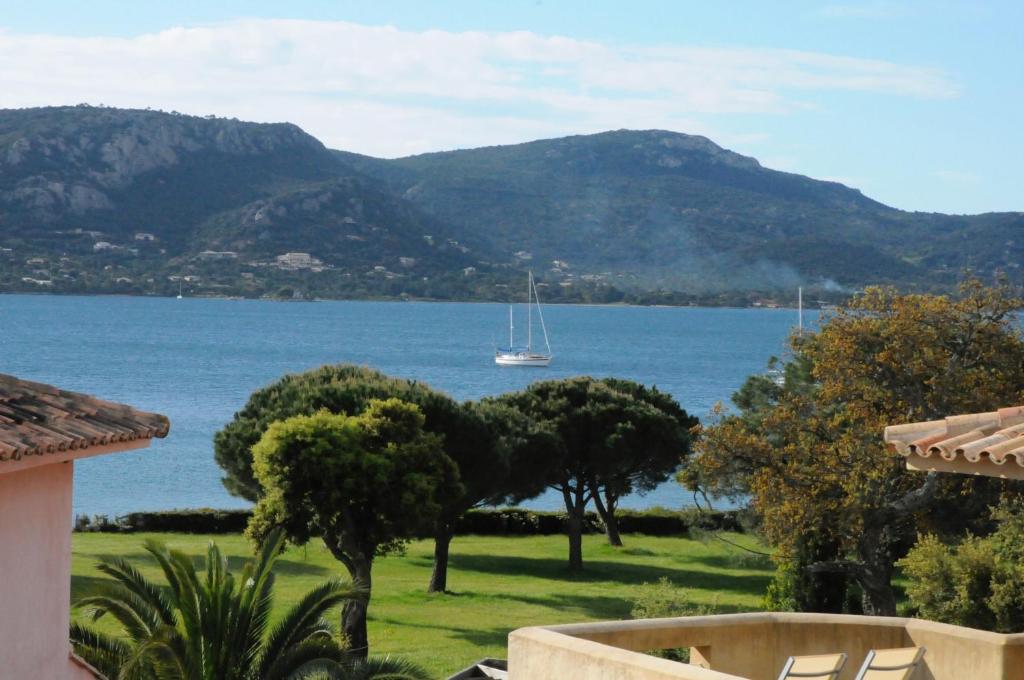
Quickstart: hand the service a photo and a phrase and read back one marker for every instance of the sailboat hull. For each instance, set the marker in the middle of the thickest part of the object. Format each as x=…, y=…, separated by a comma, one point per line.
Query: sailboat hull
x=525, y=356
x=521, y=359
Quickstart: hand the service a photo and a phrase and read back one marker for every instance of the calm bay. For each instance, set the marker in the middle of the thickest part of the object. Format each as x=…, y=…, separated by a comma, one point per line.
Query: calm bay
x=197, y=361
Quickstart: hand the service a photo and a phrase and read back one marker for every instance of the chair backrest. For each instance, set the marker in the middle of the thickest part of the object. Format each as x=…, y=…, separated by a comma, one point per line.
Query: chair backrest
x=819, y=667
x=891, y=664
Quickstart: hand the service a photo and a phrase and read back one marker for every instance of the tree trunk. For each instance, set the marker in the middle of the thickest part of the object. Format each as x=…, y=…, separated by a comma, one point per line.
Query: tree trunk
x=574, y=527
x=874, y=548
x=611, y=523
x=879, y=599
x=575, y=498
x=353, y=614
x=439, y=577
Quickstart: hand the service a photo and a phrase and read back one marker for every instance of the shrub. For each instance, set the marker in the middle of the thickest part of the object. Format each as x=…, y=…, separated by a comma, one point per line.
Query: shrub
x=193, y=521
x=977, y=583
x=795, y=587
x=494, y=522
x=951, y=583
x=665, y=600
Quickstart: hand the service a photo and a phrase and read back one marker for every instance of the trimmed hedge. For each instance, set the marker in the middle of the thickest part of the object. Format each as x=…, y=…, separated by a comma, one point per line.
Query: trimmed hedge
x=496, y=522
x=193, y=521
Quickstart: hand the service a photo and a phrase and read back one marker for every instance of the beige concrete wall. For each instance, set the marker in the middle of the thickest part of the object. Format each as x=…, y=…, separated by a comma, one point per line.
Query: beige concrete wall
x=754, y=647
x=35, y=573
x=536, y=654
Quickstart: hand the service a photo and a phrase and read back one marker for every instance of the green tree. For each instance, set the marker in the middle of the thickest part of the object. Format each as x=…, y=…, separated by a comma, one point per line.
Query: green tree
x=650, y=442
x=809, y=452
x=343, y=389
x=478, y=441
x=364, y=484
x=496, y=452
x=603, y=439
x=213, y=627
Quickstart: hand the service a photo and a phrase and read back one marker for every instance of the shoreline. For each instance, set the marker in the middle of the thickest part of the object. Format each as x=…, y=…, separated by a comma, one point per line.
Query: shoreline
x=410, y=300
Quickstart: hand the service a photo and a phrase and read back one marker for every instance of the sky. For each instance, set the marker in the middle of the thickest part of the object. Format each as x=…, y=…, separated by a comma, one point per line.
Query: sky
x=917, y=104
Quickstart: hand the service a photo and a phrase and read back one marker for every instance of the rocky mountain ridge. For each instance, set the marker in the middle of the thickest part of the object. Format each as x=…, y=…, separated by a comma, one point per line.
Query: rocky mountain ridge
x=108, y=200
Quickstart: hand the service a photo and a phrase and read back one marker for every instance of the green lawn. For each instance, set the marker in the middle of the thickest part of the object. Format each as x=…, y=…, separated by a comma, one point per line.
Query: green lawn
x=498, y=584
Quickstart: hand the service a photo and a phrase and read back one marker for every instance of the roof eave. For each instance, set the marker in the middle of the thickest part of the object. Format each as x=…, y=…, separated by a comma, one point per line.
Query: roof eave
x=38, y=460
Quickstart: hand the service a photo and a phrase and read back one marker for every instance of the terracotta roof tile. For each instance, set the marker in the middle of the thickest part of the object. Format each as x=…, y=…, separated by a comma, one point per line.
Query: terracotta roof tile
x=995, y=435
x=37, y=419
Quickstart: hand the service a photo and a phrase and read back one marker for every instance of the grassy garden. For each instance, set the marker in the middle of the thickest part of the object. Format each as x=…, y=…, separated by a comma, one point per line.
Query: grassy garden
x=828, y=493
x=497, y=583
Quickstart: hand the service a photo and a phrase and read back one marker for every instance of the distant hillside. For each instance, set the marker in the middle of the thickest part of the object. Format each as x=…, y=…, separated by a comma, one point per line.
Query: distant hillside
x=677, y=210
x=109, y=200
x=116, y=200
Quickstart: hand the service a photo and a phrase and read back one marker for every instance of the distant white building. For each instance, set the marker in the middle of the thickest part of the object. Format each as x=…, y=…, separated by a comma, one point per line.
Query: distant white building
x=103, y=245
x=297, y=261
x=144, y=236
x=407, y=261
x=217, y=255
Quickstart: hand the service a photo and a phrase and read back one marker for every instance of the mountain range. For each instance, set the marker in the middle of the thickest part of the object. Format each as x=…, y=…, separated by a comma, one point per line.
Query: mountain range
x=110, y=200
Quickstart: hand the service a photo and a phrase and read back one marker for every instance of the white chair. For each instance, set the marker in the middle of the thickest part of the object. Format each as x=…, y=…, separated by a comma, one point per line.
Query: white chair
x=891, y=664
x=820, y=666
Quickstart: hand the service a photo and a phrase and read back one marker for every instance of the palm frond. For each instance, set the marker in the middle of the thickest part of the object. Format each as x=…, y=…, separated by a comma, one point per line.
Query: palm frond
x=321, y=655
x=103, y=652
x=131, y=578
x=133, y=614
x=386, y=668
x=208, y=625
x=162, y=654
x=256, y=598
x=306, y=617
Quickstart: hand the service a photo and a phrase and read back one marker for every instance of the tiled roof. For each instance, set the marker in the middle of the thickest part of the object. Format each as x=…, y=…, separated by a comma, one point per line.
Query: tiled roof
x=978, y=438
x=37, y=419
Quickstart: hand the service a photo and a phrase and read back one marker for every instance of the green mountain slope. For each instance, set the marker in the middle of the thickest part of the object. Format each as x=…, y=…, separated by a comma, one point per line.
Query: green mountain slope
x=675, y=210
x=116, y=200
x=109, y=200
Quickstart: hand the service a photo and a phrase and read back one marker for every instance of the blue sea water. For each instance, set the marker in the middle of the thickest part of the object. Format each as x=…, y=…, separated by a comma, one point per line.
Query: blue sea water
x=197, y=361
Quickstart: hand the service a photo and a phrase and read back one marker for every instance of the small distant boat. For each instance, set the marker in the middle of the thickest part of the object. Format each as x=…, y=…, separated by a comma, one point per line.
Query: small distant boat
x=179, y=290
x=776, y=371
x=525, y=356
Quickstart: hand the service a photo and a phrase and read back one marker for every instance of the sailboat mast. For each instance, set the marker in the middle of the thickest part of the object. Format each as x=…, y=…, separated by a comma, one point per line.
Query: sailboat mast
x=511, y=328
x=529, y=314
x=800, y=309
x=540, y=315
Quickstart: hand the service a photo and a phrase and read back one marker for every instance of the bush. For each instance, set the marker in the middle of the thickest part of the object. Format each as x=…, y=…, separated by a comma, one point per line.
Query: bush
x=977, y=583
x=493, y=522
x=796, y=588
x=665, y=600
x=195, y=521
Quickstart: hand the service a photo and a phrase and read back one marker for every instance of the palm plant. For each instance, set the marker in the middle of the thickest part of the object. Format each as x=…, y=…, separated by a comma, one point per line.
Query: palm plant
x=212, y=627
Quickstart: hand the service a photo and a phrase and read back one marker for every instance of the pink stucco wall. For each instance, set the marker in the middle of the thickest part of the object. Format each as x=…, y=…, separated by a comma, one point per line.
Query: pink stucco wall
x=35, y=573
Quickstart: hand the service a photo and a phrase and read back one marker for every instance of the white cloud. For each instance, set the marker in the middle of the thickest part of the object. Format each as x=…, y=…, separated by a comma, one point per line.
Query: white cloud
x=384, y=91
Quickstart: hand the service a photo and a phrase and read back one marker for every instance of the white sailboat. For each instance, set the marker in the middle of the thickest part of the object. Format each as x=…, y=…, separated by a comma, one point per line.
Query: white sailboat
x=527, y=356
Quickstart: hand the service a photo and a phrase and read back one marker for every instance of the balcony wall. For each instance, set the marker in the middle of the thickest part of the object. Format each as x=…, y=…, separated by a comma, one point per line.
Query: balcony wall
x=753, y=647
